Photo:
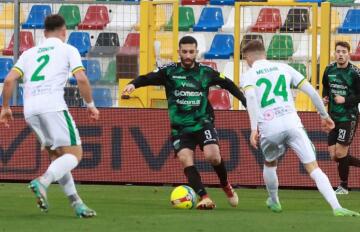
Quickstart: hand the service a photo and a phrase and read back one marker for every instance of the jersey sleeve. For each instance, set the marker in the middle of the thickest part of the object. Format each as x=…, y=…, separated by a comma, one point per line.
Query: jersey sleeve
x=297, y=79
x=74, y=60
x=156, y=77
x=325, y=83
x=19, y=67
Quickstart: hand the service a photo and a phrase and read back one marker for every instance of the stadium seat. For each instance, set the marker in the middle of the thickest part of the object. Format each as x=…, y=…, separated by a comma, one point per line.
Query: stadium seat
x=211, y=19
x=160, y=18
x=281, y=47
x=297, y=20
x=125, y=18
x=202, y=43
x=247, y=38
x=351, y=22
x=7, y=16
x=72, y=96
x=335, y=21
x=356, y=56
x=211, y=64
x=5, y=66
x=300, y=67
x=132, y=40
x=334, y=39
x=37, y=17
x=109, y=77
x=2, y=41
x=71, y=14
x=246, y=21
x=127, y=60
x=26, y=42
x=194, y=2
x=219, y=99
x=222, y=47
x=80, y=40
x=92, y=70
x=166, y=44
x=102, y=97
x=304, y=50
x=107, y=44
x=96, y=18
x=186, y=19
x=222, y=2
x=269, y=20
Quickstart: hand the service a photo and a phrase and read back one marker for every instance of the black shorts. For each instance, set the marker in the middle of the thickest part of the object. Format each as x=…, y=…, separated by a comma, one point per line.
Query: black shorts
x=205, y=136
x=343, y=133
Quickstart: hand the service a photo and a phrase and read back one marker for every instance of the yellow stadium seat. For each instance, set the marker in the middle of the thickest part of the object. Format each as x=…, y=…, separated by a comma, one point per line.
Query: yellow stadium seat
x=335, y=23
x=7, y=16
x=160, y=18
x=334, y=39
x=302, y=101
x=2, y=41
x=137, y=98
x=166, y=44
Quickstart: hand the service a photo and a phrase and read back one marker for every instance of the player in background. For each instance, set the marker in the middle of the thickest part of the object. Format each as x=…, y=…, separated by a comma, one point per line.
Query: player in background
x=191, y=115
x=274, y=121
x=341, y=92
x=45, y=70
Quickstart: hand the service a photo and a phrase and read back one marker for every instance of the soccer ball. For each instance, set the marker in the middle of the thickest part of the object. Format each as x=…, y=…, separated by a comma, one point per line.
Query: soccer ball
x=183, y=197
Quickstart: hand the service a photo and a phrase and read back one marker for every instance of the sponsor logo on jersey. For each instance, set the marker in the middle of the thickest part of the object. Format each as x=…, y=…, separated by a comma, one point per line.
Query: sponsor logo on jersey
x=188, y=102
x=188, y=84
x=180, y=93
x=179, y=77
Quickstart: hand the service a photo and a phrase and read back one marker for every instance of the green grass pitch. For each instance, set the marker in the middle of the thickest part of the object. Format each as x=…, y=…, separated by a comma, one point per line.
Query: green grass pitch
x=144, y=209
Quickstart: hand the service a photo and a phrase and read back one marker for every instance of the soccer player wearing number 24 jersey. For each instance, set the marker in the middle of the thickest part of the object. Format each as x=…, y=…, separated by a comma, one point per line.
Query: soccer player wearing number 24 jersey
x=191, y=115
x=274, y=121
x=45, y=70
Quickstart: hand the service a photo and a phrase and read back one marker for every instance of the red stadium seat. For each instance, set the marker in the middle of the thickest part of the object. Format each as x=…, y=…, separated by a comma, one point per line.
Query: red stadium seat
x=212, y=64
x=356, y=56
x=220, y=99
x=194, y=2
x=96, y=18
x=26, y=42
x=269, y=20
x=132, y=40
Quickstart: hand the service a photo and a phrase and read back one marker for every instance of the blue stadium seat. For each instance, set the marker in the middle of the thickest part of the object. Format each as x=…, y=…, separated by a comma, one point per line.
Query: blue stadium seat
x=222, y=2
x=80, y=40
x=351, y=22
x=222, y=47
x=92, y=70
x=37, y=17
x=211, y=19
x=5, y=65
x=102, y=97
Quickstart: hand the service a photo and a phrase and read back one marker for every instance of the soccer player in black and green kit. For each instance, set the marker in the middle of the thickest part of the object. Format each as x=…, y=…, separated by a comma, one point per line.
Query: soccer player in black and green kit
x=341, y=91
x=191, y=115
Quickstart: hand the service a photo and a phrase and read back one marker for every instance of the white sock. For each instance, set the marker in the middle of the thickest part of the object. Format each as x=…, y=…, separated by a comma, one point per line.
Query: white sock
x=58, y=168
x=271, y=182
x=68, y=186
x=324, y=186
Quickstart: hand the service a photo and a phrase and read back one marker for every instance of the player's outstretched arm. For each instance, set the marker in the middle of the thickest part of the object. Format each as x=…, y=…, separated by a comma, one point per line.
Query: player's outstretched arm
x=252, y=110
x=86, y=93
x=326, y=122
x=9, y=84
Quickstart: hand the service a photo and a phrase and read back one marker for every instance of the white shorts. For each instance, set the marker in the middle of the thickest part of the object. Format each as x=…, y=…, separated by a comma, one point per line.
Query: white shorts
x=274, y=146
x=55, y=129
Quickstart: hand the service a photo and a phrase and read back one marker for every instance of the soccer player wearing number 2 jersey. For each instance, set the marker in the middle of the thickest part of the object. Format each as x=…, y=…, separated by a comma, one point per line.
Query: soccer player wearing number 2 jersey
x=191, y=115
x=275, y=123
x=45, y=70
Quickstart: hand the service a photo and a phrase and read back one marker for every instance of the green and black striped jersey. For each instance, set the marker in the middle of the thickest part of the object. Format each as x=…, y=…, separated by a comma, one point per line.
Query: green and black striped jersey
x=187, y=94
x=346, y=83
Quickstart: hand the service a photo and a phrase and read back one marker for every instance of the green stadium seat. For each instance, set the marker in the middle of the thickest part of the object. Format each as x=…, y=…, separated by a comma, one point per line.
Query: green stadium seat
x=301, y=68
x=71, y=14
x=110, y=74
x=281, y=47
x=341, y=1
x=186, y=19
